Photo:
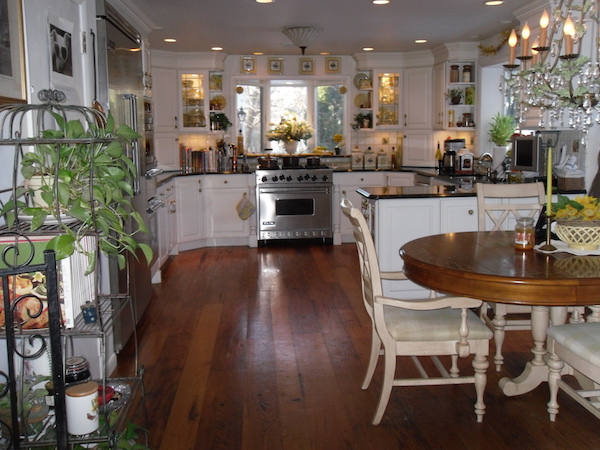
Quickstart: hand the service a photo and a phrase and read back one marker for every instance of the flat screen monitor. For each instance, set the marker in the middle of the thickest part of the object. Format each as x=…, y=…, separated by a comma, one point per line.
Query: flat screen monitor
x=526, y=153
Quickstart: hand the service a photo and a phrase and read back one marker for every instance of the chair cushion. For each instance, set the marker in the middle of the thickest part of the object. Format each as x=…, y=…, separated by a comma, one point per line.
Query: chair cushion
x=435, y=325
x=582, y=339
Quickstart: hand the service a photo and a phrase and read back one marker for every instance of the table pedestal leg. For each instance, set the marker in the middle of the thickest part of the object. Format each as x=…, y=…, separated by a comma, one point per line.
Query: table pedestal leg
x=535, y=371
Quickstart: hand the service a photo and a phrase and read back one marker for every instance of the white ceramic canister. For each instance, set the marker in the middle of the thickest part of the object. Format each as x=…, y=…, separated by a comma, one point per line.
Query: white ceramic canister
x=82, y=408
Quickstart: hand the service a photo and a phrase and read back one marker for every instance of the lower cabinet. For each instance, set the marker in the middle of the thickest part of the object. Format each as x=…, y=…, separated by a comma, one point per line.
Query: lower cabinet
x=190, y=212
x=345, y=185
x=166, y=227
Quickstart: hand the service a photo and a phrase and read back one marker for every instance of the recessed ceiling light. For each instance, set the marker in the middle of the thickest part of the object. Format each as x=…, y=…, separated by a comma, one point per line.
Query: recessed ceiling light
x=493, y=2
x=368, y=49
x=217, y=49
x=420, y=41
x=170, y=40
x=325, y=53
x=258, y=53
x=265, y=1
x=381, y=2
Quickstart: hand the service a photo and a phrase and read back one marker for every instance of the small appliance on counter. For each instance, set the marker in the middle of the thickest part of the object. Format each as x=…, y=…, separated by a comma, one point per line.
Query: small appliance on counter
x=464, y=162
x=449, y=160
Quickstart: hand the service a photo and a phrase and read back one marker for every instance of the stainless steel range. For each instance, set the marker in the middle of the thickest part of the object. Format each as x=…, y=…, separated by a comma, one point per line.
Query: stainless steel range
x=294, y=203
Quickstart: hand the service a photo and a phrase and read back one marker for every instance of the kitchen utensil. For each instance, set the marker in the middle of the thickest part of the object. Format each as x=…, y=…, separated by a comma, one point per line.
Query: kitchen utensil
x=267, y=162
x=313, y=161
x=290, y=162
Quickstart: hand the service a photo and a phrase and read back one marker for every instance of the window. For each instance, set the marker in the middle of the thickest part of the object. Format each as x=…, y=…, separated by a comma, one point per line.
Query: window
x=265, y=102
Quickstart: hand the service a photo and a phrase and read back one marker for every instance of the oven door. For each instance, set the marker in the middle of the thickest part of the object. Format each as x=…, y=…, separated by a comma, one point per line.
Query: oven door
x=293, y=213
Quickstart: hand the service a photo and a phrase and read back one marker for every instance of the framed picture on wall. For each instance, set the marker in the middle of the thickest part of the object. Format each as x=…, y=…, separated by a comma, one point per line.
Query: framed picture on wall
x=333, y=64
x=275, y=66
x=307, y=66
x=12, y=55
x=247, y=64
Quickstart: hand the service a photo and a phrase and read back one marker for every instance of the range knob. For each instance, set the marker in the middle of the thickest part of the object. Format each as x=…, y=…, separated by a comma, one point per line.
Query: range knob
x=282, y=177
x=264, y=178
x=300, y=178
x=314, y=178
x=325, y=178
x=274, y=178
x=307, y=177
x=289, y=178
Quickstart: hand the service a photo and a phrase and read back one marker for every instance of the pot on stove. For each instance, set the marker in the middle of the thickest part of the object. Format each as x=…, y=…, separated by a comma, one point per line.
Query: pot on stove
x=267, y=162
x=313, y=161
x=291, y=162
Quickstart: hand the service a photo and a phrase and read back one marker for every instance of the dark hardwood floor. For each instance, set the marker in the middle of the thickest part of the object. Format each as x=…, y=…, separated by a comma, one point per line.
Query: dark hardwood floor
x=266, y=349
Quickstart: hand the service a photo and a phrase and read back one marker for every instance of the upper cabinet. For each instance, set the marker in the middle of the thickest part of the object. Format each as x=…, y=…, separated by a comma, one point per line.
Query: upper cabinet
x=363, y=101
x=455, y=95
x=192, y=100
x=388, y=99
x=416, y=89
x=166, y=117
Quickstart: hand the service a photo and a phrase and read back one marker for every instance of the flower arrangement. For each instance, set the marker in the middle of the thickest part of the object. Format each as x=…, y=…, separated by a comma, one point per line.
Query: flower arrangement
x=290, y=130
x=581, y=208
x=338, y=139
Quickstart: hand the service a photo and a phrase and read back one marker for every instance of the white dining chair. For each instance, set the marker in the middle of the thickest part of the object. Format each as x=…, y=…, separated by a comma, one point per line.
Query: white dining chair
x=431, y=327
x=498, y=207
x=578, y=346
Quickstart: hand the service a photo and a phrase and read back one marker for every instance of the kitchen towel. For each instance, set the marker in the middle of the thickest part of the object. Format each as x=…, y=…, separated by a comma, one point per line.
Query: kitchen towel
x=245, y=208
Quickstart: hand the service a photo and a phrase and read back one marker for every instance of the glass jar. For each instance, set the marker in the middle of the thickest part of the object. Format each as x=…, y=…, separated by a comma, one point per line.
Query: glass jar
x=524, y=233
x=77, y=370
x=466, y=75
x=467, y=121
x=453, y=74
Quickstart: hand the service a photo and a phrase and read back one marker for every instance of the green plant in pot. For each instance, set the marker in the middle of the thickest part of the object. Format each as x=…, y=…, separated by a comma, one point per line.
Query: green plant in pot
x=219, y=121
x=501, y=129
x=85, y=185
x=455, y=95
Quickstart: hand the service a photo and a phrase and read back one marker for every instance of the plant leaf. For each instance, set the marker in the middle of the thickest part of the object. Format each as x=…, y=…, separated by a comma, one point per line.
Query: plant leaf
x=63, y=245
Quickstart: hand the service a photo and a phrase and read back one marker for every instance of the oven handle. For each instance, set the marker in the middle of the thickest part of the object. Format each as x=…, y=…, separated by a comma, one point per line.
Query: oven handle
x=291, y=190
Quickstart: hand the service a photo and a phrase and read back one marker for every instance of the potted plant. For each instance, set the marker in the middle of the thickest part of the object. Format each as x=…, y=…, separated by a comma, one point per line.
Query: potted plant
x=501, y=129
x=290, y=131
x=362, y=120
x=455, y=95
x=85, y=187
x=219, y=121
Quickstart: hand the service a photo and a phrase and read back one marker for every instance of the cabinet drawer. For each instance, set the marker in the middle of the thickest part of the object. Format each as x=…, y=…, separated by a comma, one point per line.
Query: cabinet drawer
x=225, y=181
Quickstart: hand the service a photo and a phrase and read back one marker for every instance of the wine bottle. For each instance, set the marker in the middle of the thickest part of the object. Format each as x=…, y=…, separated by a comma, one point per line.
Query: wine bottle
x=240, y=143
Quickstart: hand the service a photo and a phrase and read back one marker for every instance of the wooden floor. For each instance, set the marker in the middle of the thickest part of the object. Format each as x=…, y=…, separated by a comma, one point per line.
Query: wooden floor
x=266, y=349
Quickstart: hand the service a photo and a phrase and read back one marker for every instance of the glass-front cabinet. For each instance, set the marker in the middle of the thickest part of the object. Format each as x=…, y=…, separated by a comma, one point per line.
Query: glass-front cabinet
x=192, y=100
x=388, y=97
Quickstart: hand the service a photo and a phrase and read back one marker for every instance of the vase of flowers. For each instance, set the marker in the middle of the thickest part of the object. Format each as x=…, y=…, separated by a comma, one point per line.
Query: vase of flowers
x=339, y=141
x=578, y=221
x=290, y=131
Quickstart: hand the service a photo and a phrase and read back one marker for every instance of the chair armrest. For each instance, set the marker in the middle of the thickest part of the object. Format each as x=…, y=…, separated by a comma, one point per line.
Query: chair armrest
x=399, y=275
x=430, y=303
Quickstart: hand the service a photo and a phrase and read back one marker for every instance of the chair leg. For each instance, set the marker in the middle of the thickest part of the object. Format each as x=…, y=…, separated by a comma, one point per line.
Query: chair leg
x=389, y=372
x=480, y=365
x=373, y=358
x=499, y=322
x=555, y=365
x=454, y=367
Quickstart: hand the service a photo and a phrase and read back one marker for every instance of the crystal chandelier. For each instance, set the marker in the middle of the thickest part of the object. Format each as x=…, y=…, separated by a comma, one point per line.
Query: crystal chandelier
x=553, y=74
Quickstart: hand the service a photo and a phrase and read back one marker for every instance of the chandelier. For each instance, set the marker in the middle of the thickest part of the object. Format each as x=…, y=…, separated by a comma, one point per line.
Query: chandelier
x=302, y=36
x=552, y=73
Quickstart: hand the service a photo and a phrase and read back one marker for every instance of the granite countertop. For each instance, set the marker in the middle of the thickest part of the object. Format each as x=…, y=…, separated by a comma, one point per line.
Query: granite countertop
x=391, y=192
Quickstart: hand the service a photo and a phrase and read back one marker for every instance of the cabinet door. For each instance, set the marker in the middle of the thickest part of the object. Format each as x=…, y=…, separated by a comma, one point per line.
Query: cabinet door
x=388, y=100
x=417, y=97
x=458, y=214
x=401, y=179
x=166, y=149
x=190, y=206
x=439, y=86
x=418, y=149
x=165, y=99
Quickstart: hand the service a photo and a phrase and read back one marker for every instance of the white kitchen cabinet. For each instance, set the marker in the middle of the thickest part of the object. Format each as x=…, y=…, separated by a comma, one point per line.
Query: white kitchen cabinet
x=166, y=149
x=388, y=99
x=189, y=196
x=222, y=194
x=165, y=218
x=439, y=103
x=164, y=93
x=418, y=149
x=400, y=178
x=457, y=75
x=458, y=215
x=416, y=91
x=345, y=185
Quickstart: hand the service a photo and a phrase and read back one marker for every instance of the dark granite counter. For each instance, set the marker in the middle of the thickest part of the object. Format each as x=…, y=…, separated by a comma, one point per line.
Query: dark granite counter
x=389, y=192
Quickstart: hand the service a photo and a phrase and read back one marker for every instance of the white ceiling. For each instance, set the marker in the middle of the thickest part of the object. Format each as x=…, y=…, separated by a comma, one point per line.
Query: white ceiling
x=244, y=26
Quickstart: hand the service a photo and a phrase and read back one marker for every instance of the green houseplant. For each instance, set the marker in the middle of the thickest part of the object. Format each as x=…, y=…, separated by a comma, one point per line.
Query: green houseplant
x=501, y=129
x=455, y=95
x=85, y=178
x=219, y=121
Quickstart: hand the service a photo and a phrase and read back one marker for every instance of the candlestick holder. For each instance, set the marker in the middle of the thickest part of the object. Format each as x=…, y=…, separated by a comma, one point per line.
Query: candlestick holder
x=548, y=247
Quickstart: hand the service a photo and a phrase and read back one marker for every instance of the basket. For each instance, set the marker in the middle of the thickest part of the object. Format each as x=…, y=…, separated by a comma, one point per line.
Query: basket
x=579, y=235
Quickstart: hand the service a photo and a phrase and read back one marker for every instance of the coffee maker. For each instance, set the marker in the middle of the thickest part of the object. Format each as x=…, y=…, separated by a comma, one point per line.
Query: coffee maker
x=451, y=147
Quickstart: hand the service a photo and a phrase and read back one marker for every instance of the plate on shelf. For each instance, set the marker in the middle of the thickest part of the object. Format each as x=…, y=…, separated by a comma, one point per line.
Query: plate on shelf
x=362, y=100
x=218, y=102
x=358, y=79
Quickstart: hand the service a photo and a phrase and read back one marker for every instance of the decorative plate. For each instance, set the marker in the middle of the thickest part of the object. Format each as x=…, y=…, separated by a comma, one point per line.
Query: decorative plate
x=218, y=102
x=361, y=100
x=358, y=79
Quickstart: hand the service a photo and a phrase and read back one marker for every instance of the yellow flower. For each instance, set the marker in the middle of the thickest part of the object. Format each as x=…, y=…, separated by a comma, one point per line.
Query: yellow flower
x=583, y=208
x=338, y=138
x=290, y=130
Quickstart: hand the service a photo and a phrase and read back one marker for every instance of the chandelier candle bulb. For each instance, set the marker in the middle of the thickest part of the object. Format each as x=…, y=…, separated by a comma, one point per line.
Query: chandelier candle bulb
x=569, y=32
x=544, y=21
x=512, y=43
x=535, y=53
x=549, y=182
x=525, y=32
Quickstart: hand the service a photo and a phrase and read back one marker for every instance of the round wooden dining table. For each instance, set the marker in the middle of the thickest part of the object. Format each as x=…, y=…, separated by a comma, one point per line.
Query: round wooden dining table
x=486, y=265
